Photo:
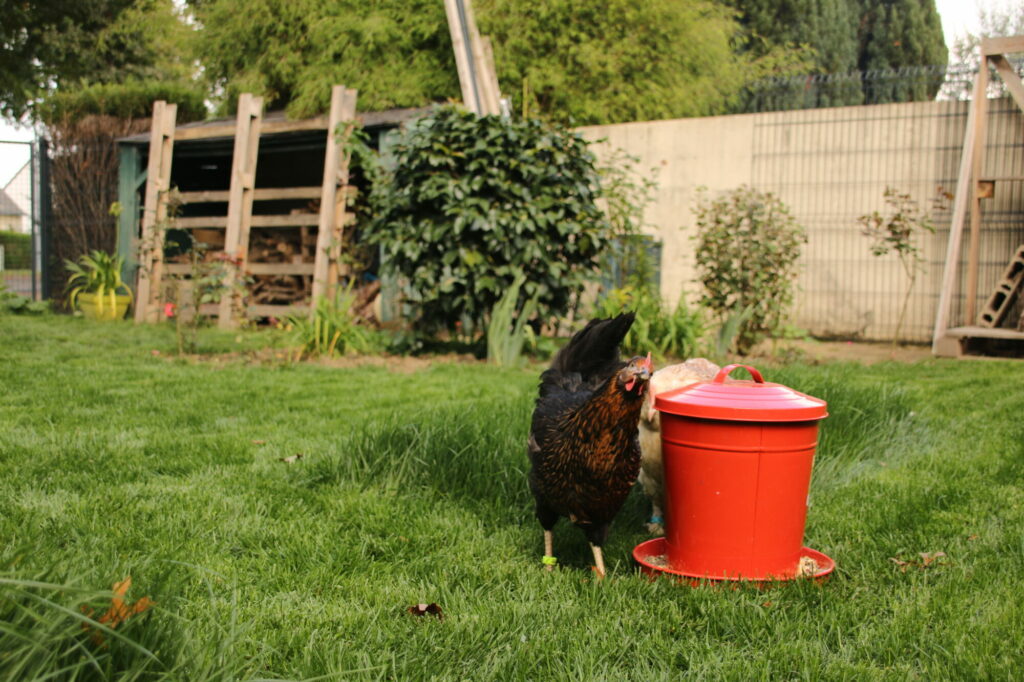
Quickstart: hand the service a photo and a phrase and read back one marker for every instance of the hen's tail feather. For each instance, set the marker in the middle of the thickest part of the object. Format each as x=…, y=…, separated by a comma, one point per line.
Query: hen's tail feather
x=594, y=350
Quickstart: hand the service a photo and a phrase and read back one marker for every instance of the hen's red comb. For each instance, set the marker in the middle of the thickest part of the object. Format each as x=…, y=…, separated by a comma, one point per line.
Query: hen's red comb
x=646, y=363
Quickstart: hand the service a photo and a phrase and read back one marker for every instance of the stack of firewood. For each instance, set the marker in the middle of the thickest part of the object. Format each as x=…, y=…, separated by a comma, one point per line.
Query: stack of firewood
x=282, y=246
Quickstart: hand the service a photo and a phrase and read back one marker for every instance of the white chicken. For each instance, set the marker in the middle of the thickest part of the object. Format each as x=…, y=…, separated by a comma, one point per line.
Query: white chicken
x=652, y=470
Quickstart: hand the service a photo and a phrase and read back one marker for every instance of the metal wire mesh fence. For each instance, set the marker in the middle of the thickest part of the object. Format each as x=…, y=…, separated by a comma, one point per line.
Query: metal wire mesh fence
x=19, y=243
x=831, y=165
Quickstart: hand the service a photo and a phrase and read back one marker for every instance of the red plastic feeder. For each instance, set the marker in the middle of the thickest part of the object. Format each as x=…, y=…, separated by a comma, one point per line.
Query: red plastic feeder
x=738, y=459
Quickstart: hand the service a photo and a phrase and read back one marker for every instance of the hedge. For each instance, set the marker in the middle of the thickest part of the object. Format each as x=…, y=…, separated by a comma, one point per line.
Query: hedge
x=17, y=250
x=131, y=99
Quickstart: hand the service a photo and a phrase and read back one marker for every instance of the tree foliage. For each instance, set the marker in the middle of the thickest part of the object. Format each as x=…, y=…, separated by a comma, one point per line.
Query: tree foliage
x=560, y=60
x=473, y=202
x=748, y=245
x=617, y=60
x=895, y=34
x=128, y=100
x=1006, y=20
x=397, y=53
x=48, y=45
x=846, y=36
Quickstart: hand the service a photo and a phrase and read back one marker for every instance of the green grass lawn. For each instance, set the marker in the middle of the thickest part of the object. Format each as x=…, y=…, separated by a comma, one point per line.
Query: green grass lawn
x=115, y=461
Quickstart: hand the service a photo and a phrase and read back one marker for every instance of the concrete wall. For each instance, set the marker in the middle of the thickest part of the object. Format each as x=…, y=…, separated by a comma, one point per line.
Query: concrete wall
x=831, y=166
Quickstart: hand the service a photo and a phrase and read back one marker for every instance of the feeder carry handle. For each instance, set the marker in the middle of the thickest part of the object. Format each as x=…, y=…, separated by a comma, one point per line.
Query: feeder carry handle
x=724, y=372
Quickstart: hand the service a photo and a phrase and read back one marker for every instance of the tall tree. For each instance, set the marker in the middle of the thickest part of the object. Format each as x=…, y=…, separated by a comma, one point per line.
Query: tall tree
x=895, y=35
x=822, y=32
x=876, y=37
x=617, y=60
x=395, y=52
x=581, y=61
x=46, y=45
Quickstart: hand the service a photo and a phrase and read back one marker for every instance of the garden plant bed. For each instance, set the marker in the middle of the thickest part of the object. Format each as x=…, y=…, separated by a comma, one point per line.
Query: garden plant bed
x=411, y=490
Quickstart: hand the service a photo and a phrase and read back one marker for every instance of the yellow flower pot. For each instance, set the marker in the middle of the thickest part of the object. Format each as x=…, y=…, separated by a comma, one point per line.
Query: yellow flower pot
x=103, y=308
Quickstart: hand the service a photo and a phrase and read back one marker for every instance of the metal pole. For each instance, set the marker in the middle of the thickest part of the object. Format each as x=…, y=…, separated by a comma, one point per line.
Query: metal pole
x=45, y=217
x=33, y=216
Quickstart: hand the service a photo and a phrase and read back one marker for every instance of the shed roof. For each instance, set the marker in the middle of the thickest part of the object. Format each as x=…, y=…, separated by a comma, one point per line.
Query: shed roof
x=275, y=122
x=7, y=205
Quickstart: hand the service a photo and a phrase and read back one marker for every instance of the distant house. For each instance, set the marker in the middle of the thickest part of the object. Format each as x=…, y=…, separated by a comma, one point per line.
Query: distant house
x=10, y=215
x=19, y=193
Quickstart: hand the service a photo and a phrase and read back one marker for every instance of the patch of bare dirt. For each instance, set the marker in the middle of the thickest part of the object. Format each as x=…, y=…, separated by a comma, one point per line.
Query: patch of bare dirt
x=863, y=352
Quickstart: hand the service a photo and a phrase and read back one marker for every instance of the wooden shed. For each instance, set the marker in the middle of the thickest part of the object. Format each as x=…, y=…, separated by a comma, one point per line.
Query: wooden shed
x=267, y=192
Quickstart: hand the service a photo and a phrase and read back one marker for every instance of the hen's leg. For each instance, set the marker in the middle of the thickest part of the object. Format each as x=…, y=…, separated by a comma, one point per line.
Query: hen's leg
x=548, y=550
x=598, y=559
x=547, y=519
x=656, y=524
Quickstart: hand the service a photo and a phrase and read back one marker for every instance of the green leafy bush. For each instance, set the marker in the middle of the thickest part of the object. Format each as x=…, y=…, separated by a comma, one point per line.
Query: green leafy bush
x=656, y=329
x=15, y=303
x=472, y=201
x=748, y=245
x=17, y=250
x=131, y=99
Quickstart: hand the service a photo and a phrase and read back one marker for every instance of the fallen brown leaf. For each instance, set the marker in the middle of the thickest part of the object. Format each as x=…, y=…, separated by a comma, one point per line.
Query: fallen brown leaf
x=118, y=612
x=927, y=560
x=424, y=609
x=259, y=442
x=293, y=459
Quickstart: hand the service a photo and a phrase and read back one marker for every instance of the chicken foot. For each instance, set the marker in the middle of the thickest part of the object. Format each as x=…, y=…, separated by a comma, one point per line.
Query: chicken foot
x=598, y=560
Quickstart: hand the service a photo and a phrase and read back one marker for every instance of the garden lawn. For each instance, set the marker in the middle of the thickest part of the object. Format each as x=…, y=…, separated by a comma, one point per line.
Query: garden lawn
x=411, y=489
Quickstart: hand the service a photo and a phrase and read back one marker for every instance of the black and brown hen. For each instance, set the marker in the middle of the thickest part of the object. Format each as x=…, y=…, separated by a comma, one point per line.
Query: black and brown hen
x=583, y=440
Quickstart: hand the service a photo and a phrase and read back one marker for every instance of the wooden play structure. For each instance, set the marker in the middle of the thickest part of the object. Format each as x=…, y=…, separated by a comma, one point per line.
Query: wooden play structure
x=320, y=224
x=973, y=188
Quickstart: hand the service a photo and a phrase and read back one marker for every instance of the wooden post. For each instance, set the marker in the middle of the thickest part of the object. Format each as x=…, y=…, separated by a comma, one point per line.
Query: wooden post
x=491, y=74
x=486, y=81
x=240, y=198
x=474, y=59
x=956, y=229
x=158, y=183
x=332, y=202
x=463, y=56
x=980, y=105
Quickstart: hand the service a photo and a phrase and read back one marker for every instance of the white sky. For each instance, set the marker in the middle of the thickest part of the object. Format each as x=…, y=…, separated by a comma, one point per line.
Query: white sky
x=958, y=17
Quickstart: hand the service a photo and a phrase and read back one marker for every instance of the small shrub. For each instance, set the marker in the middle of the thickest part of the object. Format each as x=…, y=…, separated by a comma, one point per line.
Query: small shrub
x=204, y=283
x=11, y=302
x=748, y=245
x=17, y=250
x=656, y=329
x=897, y=231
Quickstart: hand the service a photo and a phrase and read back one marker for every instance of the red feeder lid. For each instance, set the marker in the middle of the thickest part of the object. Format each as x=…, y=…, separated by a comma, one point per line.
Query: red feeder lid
x=744, y=401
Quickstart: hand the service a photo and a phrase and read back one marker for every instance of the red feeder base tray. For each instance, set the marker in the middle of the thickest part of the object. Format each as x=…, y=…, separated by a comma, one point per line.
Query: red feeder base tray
x=646, y=552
